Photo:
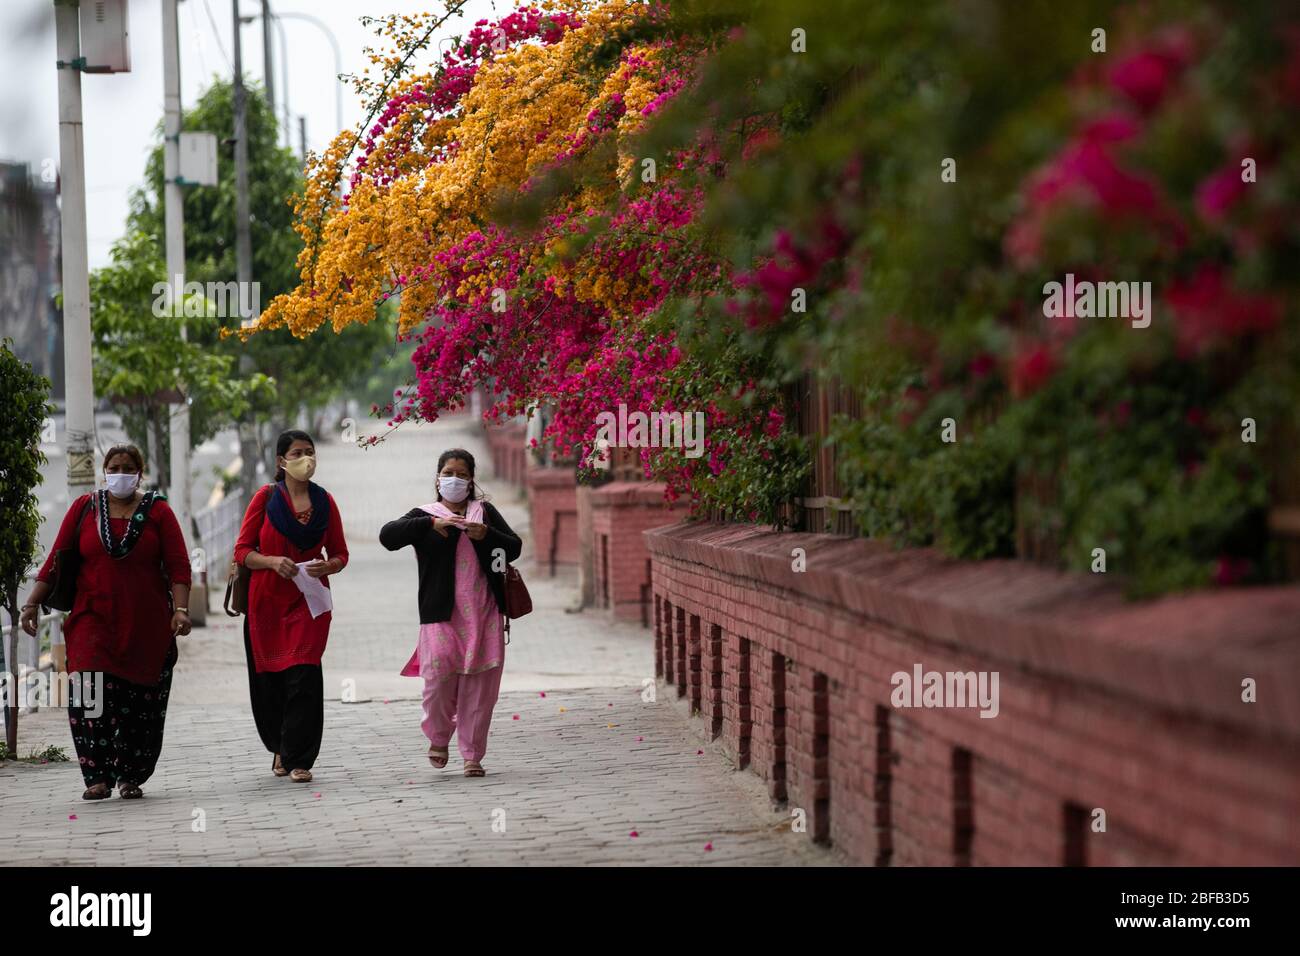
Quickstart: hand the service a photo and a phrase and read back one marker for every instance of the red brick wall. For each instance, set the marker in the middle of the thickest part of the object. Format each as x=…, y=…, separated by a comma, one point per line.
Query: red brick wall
x=506, y=449
x=586, y=549
x=553, y=502
x=1134, y=708
x=621, y=512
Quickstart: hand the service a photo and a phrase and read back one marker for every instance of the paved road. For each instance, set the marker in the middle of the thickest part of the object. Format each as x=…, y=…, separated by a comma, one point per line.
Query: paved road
x=577, y=760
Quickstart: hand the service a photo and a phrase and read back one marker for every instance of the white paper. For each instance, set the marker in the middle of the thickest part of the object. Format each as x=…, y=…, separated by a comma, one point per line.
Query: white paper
x=314, y=590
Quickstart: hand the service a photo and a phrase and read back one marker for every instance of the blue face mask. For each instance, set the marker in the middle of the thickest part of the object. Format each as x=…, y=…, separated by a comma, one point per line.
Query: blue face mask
x=454, y=490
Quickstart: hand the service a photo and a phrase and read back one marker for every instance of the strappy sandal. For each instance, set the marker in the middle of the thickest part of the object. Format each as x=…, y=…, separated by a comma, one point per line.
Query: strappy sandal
x=129, y=791
x=438, y=756
x=474, y=769
x=277, y=768
x=97, y=791
x=300, y=776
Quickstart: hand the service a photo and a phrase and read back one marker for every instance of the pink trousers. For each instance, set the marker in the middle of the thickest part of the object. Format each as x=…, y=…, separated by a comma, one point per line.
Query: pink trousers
x=463, y=704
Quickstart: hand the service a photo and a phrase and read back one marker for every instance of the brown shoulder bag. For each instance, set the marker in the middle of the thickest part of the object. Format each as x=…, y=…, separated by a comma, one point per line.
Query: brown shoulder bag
x=237, y=578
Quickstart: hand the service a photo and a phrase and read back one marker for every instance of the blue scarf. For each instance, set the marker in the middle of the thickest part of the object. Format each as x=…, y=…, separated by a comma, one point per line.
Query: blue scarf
x=280, y=513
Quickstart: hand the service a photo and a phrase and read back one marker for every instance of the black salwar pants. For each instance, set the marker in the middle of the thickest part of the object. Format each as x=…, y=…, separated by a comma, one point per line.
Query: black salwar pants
x=122, y=743
x=288, y=709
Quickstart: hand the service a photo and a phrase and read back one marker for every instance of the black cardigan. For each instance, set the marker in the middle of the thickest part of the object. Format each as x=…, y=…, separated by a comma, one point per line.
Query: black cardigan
x=436, y=557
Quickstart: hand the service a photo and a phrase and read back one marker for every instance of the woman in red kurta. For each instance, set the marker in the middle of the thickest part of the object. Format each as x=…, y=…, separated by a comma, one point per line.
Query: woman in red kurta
x=288, y=527
x=121, y=631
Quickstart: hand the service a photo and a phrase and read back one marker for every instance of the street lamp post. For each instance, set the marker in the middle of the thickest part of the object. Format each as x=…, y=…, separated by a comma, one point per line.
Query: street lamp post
x=284, y=80
x=79, y=421
x=338, y=59
x=266, y=57
x=279, y=19
x=248, y=444
x=174, y=231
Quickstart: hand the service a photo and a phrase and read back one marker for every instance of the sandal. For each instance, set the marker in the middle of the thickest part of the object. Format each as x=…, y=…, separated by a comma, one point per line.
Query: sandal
x=300, y=776
x=97, y=791
x=474, y=769
x=129, y=791
x=438, y=756
x=277, y=768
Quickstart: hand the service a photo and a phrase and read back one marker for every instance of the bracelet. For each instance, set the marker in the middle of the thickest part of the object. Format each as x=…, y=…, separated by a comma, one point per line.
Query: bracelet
x=26, y=606
x=185, y=609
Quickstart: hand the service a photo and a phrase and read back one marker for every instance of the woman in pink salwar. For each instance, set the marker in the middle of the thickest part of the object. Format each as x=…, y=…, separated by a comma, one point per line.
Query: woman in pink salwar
x=462, y=545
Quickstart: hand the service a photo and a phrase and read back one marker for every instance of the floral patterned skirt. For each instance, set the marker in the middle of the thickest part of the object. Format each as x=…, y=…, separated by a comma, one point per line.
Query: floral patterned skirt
x=118, y=736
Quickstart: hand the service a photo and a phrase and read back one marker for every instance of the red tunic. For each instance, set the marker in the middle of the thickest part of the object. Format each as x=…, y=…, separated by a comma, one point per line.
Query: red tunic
x=120, y=622
x=280, y=627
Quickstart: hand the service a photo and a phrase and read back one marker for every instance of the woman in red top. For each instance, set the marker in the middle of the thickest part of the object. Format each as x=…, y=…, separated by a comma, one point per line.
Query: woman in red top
x=284, y=531
x=121, y=633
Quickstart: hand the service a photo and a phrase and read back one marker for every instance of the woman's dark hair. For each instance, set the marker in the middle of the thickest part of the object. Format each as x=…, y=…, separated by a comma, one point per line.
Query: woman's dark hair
x=282, y=444
x=447, y=456
x=130, y=451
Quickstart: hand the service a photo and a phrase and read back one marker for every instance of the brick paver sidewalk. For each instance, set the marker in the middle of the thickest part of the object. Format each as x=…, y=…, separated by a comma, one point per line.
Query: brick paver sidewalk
x=577, y=761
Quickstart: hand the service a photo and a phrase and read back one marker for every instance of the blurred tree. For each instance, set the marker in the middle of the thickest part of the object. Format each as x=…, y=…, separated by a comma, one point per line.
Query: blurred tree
x=309, y=374
x=139, y=357
x=23, y=396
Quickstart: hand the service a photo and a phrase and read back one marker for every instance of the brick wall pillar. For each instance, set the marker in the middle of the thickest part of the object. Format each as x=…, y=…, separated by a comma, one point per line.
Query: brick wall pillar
x=679, y=650
x=694, y=682
x=711, y=674
x=553, y=502
x=807, y=748
x=505, y=441
x=737, y=717
x=659, y=637
x=518, y=456
x=586, y=548
x=621, y=512
x=768, y=732
x=670, y=643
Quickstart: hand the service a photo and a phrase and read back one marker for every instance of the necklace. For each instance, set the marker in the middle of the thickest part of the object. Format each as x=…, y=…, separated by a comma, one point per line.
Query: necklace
x=120, y=547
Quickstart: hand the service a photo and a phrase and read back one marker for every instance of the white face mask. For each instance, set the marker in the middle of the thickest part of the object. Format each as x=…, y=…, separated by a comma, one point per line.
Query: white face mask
x=122, y=485
x=454, y=490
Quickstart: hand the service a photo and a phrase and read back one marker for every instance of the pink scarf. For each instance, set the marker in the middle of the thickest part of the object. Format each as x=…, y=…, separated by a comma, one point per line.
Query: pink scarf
x=439, y=510
x=482, y=625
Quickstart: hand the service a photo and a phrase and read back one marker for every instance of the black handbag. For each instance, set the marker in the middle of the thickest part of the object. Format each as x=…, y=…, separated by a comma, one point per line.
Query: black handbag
x=67, y=565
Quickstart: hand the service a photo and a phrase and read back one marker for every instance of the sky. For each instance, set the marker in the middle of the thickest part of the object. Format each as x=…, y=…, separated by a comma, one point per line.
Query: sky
x=121, y=111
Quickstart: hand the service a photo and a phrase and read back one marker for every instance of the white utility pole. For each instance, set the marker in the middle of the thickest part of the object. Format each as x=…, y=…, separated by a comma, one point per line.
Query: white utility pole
x=267, y=67
x=178, y=492
x=79, y=422
x=248, y=428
